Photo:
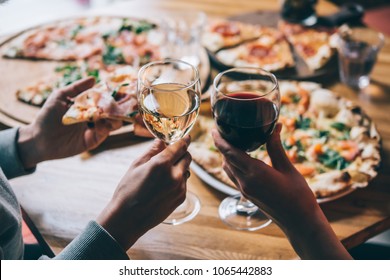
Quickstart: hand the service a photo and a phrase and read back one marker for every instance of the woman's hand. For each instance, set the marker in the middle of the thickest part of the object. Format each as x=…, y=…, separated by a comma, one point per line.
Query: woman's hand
x=152, y=188
x=47, y=138
x=268, y=186
x=284, y=195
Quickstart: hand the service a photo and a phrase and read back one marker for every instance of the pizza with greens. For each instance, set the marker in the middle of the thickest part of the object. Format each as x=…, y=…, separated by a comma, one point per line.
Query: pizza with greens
x=329, y=140
x=94, y=46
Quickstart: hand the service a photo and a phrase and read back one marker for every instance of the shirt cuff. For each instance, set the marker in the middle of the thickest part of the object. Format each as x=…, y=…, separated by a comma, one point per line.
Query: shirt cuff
x=95, y=243
x=9, y=156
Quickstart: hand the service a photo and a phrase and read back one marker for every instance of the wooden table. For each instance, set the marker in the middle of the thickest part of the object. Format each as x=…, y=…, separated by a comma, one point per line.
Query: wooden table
x=62, y=195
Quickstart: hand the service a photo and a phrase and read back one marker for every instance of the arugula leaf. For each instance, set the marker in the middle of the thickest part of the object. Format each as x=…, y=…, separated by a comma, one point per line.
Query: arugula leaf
x=300, y=151
x=339, y=126
x=137, y=27
x=132, y=114
x=109, y=34
x=295, y=98
x=75, y=31
x=115, y=92
x=94, y=73
x=70, y=74
x=113, y=55
x=323, y=135
x=146, y=58
x=63, y=43
x=303, y=123
x=346, y=136
x=67, y=67
x=285, y=146
x=299, y=145
x=333, y=159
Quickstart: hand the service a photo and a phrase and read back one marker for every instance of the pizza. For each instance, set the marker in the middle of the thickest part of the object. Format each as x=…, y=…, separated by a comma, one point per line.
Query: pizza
x=329, y=140
x=63, y=75
x=236, y=44
x=270, y=52
x=112, y=98
x=222, y=33
x=117, y=40
x=95, y=46
x=314, y=46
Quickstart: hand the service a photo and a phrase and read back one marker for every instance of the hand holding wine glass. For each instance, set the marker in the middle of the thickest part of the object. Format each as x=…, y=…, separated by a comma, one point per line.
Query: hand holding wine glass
x=169, y=99
x=284, y=194
x=245, y=105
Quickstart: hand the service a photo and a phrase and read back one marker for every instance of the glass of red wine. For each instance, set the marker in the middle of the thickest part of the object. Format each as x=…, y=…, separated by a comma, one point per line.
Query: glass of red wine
x=245, y=104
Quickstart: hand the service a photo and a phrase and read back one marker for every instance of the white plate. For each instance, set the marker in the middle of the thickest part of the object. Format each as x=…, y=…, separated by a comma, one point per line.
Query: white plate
x=222, y=187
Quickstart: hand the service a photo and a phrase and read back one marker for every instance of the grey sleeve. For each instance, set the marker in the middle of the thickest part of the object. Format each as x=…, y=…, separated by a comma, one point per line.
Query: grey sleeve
x=9, y=156
x=95, y=243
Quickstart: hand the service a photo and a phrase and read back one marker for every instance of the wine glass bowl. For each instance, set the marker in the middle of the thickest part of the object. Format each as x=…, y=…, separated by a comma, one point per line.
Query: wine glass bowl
x=168, y=94
x=169, y=98
x=245, y=105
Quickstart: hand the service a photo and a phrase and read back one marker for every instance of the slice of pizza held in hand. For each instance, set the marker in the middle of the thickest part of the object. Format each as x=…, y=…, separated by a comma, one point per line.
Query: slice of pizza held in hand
x=114, y=98
x=101, y=103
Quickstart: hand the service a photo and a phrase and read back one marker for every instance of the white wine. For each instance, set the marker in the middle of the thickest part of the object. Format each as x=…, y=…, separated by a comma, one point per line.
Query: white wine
x=169, y=110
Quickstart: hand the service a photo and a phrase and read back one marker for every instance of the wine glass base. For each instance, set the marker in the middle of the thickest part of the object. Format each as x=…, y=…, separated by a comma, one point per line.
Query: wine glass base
x=185, y=211
x=251, y=221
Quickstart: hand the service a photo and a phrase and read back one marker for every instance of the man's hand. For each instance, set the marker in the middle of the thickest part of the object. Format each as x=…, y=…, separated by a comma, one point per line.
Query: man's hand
x=47, y=138
x=152, y=188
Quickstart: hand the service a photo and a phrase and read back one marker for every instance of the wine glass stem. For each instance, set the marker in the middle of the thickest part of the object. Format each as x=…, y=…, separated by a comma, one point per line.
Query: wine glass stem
x=244, y=206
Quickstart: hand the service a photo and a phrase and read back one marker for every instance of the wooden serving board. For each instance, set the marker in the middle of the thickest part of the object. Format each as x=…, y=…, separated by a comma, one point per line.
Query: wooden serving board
x=19, y=73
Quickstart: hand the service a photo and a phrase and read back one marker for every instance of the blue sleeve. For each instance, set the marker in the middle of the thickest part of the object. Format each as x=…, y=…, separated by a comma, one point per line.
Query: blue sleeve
x=9, y=156
x=94, y=243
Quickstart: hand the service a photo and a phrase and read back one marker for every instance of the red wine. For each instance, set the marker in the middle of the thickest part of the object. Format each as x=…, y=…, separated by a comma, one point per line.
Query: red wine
x=245, y=119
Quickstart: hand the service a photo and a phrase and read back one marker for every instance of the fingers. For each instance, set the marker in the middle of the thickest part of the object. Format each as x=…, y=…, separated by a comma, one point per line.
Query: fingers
x=182, y=166
x=74, y=89
x=234, y=156
x=114, y=124
x=230, y=173
x=157, y=147
x=97, y=132
x=276, y=152
x=175, y=151
x=92, y=138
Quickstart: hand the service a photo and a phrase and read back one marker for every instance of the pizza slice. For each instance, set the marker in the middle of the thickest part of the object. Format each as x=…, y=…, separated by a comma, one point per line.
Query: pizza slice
x=112, y=98
x=314, y=46
x=101, y=102
x=37, y=93
x=222, y=33
x=270, y=52
x=65, y=41
x=117, y=40
x=134, y=43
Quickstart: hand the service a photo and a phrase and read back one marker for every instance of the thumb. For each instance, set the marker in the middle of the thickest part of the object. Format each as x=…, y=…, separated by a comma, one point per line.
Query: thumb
x=276, y=152
x=74, y=89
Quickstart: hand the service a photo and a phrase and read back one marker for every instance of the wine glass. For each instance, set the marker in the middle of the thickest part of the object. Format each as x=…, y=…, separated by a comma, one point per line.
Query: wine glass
x=169, y=99
x=245, y=104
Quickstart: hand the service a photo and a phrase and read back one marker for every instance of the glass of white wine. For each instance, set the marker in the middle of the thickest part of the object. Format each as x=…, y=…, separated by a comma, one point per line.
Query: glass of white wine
x=169, y=99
